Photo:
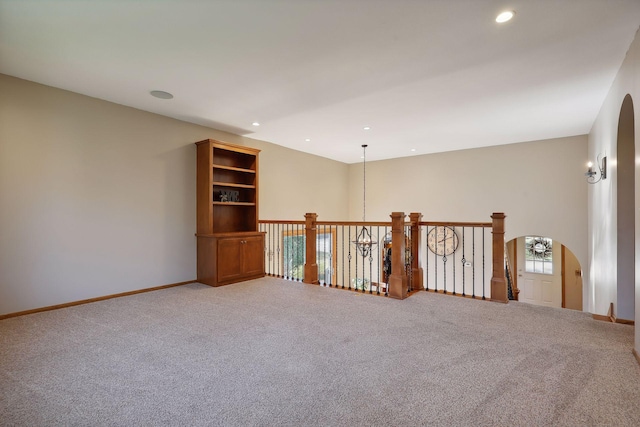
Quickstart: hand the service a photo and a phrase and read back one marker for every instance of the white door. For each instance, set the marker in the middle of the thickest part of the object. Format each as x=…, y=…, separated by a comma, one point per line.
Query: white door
x=540, y=271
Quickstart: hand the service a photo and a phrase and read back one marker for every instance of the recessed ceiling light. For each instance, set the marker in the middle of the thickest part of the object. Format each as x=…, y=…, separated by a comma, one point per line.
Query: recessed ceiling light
x=505, y=16
x=308, y=139
x=161, y=94
x=367, y=128
x=255, y=124
x=413, y=150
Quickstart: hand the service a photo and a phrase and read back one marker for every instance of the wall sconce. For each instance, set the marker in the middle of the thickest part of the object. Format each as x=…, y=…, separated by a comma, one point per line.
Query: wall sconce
x=591, y=174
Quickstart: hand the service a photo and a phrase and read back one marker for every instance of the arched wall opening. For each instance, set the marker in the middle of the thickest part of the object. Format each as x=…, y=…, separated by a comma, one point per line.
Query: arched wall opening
x=625, y=166
x=545, y=272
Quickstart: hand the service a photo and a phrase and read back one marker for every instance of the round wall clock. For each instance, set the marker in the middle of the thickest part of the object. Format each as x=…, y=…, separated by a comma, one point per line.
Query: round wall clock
x=442, y=240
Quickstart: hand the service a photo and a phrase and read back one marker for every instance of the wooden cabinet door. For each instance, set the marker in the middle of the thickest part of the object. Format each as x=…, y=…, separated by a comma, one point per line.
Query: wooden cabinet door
x=253, y=255
x=229, y=261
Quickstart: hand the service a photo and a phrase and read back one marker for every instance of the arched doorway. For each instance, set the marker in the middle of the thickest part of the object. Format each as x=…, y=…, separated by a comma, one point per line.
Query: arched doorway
x=545, y=272
x=625, y=307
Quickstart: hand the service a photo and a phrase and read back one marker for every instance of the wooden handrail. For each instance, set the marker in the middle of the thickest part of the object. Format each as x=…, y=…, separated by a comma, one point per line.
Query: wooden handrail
x=278, y=221
x=380, y=223
x=455, y=224
x=356, y=223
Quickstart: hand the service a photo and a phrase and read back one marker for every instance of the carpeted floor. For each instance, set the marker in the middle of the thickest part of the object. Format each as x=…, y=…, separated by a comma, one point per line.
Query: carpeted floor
x=270, y=352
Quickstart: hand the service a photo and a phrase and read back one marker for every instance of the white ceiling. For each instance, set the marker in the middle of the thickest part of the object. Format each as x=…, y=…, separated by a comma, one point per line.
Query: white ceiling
x=429, y=75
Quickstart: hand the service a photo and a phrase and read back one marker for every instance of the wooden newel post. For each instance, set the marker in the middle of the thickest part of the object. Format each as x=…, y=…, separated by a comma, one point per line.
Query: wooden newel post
x=416, y=268
x=310, y=263
x=398, y=277
x=499, y=291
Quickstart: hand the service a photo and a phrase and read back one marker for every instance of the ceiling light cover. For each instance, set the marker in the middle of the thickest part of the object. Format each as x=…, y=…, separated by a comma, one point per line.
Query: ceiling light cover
x=161, y=94
x=255, y=124
x=505, y=16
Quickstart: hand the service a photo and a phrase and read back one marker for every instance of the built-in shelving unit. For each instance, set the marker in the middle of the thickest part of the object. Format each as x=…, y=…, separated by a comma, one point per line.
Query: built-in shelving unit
x=230, y=248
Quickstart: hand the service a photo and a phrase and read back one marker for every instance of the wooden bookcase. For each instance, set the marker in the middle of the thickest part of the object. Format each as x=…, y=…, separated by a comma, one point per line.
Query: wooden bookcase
x=230, y=247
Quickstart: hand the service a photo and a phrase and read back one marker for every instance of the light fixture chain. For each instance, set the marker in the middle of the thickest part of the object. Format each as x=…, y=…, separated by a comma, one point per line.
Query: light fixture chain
x=364, y=182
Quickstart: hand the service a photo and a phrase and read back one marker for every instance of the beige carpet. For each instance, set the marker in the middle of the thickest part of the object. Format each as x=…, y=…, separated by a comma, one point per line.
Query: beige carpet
x=271, y=352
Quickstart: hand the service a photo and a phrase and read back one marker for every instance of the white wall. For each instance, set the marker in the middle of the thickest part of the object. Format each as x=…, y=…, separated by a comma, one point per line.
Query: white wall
x=293, y=183
x=98, y=199
x=540, y=186
x=602, y=196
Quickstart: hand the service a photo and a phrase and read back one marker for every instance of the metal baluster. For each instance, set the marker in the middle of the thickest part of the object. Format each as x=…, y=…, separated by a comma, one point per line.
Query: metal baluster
x=279, y=256
x=324, y=255
x=371, y=264
x=435, y=266
x=349, y=244
x=444, y=268
x=288, y=266
x=265, y=255
x=328, y=256
x=304, y=250
x=267, y=242
x=273, y=250
x=329, y=269
x=464, y=261
x=364, y=276
x=386, y=285
x=454, y=268
x=380, y=252
x=320, y=251
x=290, y=260
x=280, y=244
x=411, y=255
x=357, y=256
x=404, y=236
x=335, y=256
x=286, y=251
x=343, y=252
x=473, y=260
x=330, y=279
x=483, y=249
x=426, y=236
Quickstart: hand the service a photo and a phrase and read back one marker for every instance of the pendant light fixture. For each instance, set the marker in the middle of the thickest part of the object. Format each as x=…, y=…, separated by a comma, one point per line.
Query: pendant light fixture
x=364, y=243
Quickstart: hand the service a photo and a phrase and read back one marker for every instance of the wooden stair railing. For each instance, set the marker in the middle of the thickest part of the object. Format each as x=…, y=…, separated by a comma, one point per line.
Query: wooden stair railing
x=406, y=273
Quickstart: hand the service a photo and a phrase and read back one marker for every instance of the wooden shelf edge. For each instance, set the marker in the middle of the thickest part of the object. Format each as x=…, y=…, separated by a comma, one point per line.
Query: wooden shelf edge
x=233, y=204
x=233, y=184
x=231, y=168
